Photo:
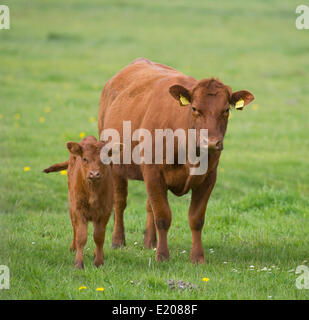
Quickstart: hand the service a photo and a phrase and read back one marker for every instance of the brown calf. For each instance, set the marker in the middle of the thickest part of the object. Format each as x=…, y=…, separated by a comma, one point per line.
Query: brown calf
x=90, y=195
x=154, y=96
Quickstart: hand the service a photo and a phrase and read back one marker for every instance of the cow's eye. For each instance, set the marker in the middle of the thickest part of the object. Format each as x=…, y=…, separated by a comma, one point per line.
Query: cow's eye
x=194, y=109
x=85, y=160
x=227, y=110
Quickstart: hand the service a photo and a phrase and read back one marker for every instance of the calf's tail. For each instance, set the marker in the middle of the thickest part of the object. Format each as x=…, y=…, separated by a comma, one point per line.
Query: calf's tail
x=57, y=167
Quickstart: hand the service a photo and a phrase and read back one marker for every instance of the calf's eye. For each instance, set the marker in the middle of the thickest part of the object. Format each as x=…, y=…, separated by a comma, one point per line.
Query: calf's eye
x=194, y=109
x=85, y=160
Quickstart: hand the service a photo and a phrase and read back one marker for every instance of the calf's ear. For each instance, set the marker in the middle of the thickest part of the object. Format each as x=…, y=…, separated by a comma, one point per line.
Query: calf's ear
x=240, y=99
x=75, y=148
x=181, y=94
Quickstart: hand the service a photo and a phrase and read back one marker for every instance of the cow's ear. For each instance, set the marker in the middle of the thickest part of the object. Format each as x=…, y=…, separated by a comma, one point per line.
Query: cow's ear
x=75, y=148
x=240, y=99
x=181, y=94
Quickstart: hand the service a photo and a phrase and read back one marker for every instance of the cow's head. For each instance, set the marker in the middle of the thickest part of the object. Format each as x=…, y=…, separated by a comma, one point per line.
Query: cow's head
x=209, y=102
x=89, y=152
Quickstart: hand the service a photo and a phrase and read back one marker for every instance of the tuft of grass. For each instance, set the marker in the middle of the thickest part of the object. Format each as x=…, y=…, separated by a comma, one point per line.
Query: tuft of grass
x=59, y=55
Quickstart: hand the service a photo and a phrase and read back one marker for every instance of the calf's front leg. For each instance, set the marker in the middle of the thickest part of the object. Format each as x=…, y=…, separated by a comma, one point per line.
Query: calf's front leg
x=99, y=236
x=81, y=239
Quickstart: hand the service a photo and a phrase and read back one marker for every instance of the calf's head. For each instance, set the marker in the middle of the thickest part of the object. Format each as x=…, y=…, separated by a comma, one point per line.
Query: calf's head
x=209, y=102
x=89, y=152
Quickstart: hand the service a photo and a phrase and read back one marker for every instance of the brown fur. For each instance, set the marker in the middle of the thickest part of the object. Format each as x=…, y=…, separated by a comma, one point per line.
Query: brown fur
x=147, y=94
x=90, y=195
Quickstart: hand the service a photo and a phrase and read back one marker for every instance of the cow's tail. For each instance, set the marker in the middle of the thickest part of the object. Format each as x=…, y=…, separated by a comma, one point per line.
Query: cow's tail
x=57, y=167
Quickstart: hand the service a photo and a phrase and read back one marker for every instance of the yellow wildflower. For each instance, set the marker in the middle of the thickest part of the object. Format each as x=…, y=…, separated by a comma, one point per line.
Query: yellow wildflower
x=99, y=289
x=92, y=119
x=42, y=119
x=82, y=134
x=82, y=288
x=26, y=169
x=63, y=172
x=17, y=116
x=205, y=279
x=47, y=109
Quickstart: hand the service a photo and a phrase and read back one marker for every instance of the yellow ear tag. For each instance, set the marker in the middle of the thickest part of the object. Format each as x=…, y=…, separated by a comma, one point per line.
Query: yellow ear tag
x=183, y=100
x=239, y=104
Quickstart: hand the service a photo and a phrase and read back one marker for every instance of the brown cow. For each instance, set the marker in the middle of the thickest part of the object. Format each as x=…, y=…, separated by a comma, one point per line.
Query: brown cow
x=90, y=195
x=150, y=95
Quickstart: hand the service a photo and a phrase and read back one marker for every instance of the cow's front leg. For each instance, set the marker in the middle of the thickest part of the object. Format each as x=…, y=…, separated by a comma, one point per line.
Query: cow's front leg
x=199, y=200
x=150, y=237
x=157, y=195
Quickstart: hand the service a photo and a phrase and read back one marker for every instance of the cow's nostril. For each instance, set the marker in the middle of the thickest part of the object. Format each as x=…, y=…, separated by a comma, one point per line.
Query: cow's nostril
x=94, y=174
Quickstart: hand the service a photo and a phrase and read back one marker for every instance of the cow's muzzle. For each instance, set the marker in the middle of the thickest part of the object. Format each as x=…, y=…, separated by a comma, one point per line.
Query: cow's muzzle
x=94, y=175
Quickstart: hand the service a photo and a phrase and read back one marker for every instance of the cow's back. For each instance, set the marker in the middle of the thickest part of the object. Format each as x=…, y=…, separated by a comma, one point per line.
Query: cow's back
x=141, y=85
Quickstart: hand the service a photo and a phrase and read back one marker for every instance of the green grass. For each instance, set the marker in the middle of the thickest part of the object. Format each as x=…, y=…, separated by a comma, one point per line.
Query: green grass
x=60, y=54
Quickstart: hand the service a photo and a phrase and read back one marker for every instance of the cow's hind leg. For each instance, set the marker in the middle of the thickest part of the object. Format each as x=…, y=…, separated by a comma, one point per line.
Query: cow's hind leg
x=120, y=203
x=150, y=237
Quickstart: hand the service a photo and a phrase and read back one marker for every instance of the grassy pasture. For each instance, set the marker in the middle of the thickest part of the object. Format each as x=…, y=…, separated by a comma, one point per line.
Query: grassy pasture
x=54, y=62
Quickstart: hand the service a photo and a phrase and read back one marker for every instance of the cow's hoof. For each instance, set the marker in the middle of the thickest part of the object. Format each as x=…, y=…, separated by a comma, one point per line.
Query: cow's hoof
x=150, y=243
x=98, y=263
x=118, y=243
x=198, y=260
x=79, y=265
x=162, y=256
